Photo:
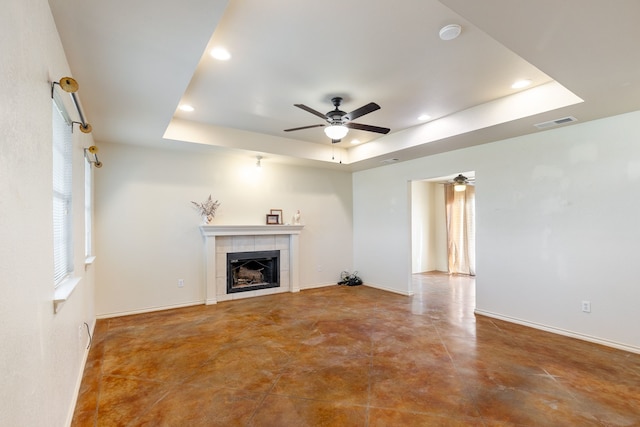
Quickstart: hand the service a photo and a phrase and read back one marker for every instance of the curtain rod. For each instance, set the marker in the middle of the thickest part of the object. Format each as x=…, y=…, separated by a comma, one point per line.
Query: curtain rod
x=93, y=150
x=70, y=85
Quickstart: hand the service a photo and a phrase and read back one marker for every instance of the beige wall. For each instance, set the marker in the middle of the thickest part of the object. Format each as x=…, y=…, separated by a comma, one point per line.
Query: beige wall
x=41, y=353
x=555, y=225
x=428, y=227
x=147, y=229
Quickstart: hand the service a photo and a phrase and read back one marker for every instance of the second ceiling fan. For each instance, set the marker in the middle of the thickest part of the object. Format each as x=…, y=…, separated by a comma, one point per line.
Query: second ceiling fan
x=340, y=122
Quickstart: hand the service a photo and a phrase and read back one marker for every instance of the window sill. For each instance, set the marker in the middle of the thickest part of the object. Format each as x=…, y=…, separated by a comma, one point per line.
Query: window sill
x=63, y=292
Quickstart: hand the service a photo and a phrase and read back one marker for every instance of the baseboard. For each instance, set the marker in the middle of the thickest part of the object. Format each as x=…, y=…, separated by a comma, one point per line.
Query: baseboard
x=559, y=331
x=190, y=304
x=147, y=310
x=317, y=285
x=79, y=377
x=384, y=288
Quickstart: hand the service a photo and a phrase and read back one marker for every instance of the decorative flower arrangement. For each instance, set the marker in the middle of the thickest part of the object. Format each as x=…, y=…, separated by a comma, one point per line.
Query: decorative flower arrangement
x=207, y=209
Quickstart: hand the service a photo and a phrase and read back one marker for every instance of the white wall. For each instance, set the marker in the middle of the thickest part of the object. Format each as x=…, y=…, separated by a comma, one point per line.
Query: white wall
x=147, y=229
x=41, y=353
x=562, y=232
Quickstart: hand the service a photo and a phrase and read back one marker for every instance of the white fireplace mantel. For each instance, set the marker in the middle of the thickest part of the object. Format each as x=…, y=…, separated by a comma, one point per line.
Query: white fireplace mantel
x=249, y=230
x=220, y=239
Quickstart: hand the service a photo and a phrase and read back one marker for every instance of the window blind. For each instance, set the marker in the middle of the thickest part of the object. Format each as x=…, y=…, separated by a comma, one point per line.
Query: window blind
x=62, y=191
x=88, y=203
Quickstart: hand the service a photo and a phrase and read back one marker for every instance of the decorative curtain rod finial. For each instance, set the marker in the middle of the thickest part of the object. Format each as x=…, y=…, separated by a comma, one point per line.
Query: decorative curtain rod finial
x=70, y=85
x=93, y=150
x=84, y=127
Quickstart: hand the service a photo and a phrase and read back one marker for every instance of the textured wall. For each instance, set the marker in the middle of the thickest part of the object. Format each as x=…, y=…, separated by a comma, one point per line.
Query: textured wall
x=42, y=353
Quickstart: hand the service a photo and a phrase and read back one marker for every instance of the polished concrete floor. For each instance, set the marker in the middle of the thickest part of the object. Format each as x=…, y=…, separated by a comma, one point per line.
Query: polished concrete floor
x=350, y=356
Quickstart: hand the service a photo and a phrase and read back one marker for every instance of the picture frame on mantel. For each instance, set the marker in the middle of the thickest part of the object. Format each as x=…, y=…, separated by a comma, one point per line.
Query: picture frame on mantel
x=273, y=219
x=277, y=212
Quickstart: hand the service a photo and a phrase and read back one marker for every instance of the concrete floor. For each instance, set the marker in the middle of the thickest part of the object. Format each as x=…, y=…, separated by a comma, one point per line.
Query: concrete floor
x=350, y=356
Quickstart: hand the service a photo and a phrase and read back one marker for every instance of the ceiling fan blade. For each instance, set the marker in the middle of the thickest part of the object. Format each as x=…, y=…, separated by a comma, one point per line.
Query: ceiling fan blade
x=303, y=127
x=311, y=110
x=368, y=128
x=359, y=112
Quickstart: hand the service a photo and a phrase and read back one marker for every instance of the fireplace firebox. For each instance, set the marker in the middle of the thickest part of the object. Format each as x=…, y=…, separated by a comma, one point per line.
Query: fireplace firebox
x=249, y=271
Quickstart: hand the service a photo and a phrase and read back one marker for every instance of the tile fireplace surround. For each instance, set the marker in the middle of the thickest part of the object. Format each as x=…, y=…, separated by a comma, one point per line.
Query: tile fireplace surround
x=222, y=239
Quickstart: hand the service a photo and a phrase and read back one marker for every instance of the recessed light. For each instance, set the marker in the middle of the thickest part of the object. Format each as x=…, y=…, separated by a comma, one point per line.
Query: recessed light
x=520, y=84
x=186, y=107
x=450, y=32
x=424, y=117
x=220, y=53
x=355, y=141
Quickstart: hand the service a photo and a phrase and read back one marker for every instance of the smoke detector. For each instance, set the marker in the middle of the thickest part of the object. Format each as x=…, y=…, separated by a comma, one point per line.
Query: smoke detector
x=450, y=32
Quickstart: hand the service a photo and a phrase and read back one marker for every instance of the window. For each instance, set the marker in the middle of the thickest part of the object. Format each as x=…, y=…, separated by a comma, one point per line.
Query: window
x=88, y=207
x=62, y=191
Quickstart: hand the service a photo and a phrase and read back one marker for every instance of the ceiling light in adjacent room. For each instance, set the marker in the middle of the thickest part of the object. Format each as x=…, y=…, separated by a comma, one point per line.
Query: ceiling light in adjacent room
x=220, y=53
x=450, y=32
x=336, y=132
x=186, y=107
x=355, y=141
x=521, y=84
x=424, y=117
x=460, y=183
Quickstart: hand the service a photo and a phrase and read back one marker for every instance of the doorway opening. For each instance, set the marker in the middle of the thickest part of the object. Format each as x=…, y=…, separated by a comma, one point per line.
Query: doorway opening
x=443, y=225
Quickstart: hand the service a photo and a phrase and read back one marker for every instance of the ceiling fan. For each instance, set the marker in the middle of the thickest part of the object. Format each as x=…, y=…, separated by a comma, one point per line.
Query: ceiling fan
x=340, y=122
x=460, y=182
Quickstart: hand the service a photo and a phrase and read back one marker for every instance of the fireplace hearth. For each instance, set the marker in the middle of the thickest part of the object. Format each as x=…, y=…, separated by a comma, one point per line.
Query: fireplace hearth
x=250, y=271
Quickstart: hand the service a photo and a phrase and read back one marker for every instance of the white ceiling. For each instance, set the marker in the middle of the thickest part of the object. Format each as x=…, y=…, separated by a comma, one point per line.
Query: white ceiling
x=136, y=62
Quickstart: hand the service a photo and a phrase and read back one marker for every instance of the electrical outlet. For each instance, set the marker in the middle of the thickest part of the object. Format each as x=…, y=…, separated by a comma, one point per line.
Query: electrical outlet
x=181, y=283
x=586, y=306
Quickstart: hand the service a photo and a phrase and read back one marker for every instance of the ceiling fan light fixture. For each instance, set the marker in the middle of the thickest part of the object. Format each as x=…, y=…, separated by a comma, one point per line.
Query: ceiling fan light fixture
x=460, y=183
x=336, y=132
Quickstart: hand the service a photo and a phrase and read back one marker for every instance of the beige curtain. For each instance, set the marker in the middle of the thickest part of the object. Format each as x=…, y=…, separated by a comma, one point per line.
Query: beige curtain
x=461, y=230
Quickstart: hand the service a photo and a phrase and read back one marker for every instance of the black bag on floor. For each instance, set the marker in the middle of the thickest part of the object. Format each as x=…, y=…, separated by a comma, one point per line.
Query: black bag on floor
x=350, y=279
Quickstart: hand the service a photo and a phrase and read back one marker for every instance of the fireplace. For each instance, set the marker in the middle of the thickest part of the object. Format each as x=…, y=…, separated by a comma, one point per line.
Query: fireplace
x=250, y=271
x=219, y=240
